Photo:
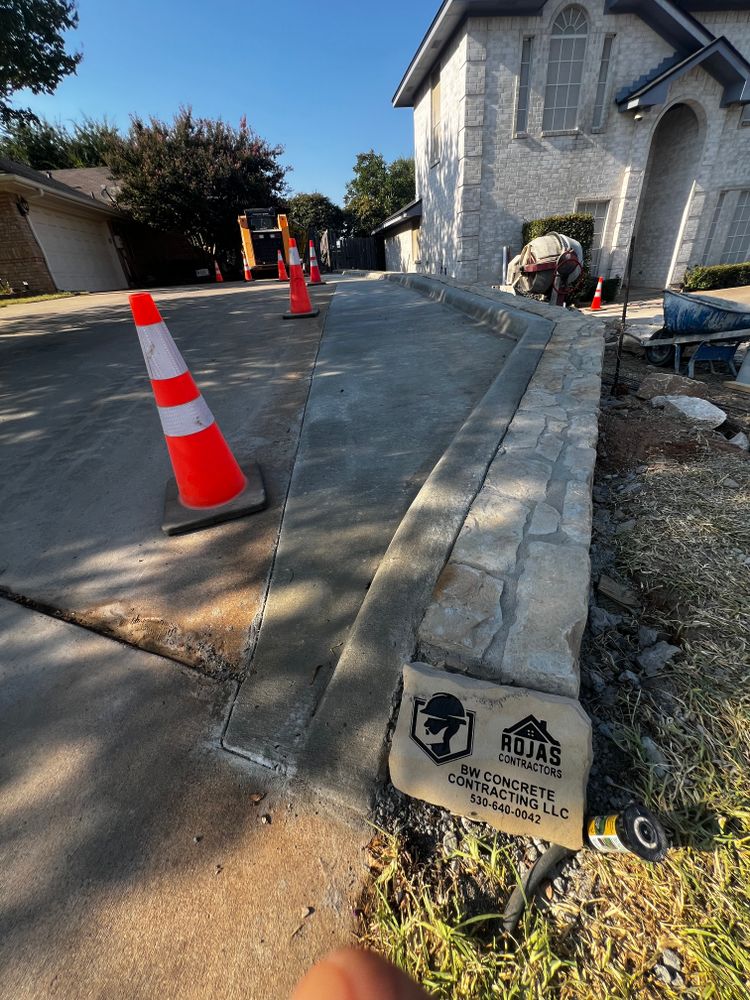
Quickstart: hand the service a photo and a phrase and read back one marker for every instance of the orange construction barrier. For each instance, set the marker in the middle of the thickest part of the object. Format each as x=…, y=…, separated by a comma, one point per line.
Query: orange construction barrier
x=209, y=485
x=301, y=306
x=597, y=300
x=283, y=276
x=219, y=275
x=246, y=269
x=315, y=278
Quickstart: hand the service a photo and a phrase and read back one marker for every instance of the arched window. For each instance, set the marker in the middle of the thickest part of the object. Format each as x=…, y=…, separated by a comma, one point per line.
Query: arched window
x=567, y=51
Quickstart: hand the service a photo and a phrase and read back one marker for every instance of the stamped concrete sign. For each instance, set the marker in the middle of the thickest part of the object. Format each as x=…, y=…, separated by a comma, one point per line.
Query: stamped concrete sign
x=513, y=758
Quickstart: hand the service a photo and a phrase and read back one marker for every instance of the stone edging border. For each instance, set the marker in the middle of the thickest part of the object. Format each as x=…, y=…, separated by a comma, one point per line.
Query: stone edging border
x=350, y=726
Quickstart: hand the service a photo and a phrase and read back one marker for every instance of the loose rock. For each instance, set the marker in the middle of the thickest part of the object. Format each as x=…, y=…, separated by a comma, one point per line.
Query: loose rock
x=697, y=411
x=601, y=620
x=653, y=660
x=647, y=637
x=655, y=757
x=740, y=441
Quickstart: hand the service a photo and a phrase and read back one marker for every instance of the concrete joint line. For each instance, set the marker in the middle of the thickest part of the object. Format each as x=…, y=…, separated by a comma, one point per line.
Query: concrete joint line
x=346, y=737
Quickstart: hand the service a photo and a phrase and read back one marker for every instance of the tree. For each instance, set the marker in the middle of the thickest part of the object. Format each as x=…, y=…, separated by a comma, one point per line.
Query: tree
x=195, y=176
x=314, y=211
x=45, y=145
x=32, y=50
x=377, y=190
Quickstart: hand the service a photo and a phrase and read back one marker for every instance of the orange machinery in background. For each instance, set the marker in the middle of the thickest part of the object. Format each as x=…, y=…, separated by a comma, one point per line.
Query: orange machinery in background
x=263, y=235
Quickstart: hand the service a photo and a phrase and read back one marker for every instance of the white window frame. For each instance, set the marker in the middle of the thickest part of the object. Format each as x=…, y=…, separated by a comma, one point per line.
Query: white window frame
x=565, y=75
x=737, y=241
x=523, y=96
x=583, y=206
x=599, y=120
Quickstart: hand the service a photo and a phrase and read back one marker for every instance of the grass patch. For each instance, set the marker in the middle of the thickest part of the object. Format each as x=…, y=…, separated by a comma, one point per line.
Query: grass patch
x=37, y=298
x=603, y=938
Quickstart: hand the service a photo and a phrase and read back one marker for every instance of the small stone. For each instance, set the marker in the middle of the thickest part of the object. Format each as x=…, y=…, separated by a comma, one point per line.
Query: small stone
x=647, y=637
x=602, y=621
x=596, y=680
x=559, y=885
x=731, y=484
x=671, y=959
x=628, y=677
x=655, y=757
x=652, y=661
x=626, y=527
x=663, y=974
x=257, y=797
x=740, y=441
x=198, y=838
x=265, y=820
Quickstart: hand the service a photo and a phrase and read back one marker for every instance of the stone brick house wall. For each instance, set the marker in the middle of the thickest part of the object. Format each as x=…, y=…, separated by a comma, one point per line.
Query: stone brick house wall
x=21, y=258
x=489, y=177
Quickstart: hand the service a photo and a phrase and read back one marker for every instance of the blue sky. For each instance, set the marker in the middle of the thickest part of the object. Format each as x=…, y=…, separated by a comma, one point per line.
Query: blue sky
x=316, y=77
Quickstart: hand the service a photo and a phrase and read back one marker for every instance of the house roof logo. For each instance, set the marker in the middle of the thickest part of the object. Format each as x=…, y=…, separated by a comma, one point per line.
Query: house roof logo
x=442, y=727
x=532, y=728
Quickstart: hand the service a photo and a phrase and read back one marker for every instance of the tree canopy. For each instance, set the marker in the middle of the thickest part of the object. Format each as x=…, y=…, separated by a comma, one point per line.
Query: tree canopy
x=32, y=50
x=196, y=175
x=314, y=211
x=377, y=190
x=45, y=145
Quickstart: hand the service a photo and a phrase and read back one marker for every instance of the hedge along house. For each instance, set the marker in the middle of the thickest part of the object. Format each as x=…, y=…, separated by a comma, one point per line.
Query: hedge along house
x=637, y=111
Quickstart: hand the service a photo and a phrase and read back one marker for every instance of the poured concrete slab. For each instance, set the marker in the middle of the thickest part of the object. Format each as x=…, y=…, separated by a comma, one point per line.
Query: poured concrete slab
x=135, y=862
x=85, y=465
x=396, y=377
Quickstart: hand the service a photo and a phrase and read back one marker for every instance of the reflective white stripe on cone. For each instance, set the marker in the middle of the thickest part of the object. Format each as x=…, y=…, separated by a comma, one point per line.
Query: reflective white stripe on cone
x=163, y=359
x=188, y=418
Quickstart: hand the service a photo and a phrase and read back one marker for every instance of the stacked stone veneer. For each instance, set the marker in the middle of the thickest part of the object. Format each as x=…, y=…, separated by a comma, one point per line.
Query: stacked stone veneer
x=512, y=601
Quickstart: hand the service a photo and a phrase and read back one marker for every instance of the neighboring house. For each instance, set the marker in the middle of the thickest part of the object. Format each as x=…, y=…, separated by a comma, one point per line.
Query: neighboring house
x=400, y=236
x=637, y=111
x=61, y=231
x=53, y=237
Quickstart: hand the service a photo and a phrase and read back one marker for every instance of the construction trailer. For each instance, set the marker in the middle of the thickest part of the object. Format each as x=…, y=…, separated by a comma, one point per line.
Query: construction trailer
x=263, y=234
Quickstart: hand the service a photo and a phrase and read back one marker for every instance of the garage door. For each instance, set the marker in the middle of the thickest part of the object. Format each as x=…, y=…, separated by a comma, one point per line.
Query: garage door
x=78, y=250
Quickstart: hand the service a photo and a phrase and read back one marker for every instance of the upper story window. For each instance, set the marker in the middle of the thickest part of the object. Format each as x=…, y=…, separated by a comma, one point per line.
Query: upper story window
x=601, y=85
x=567, y=51
x=524, y=77
x=745, y=115
x=435, y=117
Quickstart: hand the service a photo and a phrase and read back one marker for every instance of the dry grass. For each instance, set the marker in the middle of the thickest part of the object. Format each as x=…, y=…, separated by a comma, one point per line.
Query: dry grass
x=687, y=554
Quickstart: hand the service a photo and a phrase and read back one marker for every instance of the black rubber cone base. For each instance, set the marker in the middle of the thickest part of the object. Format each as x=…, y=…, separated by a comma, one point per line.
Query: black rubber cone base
x=307, y=315
x=316, y=284
x=178, y=519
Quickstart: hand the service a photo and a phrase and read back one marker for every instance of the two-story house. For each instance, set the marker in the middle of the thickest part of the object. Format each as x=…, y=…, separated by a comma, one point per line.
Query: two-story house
x=637, y=111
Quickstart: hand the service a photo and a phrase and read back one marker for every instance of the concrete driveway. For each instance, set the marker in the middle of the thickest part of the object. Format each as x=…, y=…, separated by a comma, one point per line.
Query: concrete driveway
x=85, y=464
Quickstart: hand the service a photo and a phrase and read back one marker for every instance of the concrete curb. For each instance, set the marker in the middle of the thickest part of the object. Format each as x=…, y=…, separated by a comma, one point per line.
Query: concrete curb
x=344, y=755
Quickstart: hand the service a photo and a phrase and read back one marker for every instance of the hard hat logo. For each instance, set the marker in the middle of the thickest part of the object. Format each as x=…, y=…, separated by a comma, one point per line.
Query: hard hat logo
x=443, y=728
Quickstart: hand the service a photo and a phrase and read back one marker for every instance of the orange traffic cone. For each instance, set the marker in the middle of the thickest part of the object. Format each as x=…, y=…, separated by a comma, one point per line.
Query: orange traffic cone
x=597, y=301
x=315, y=278
x=283, y=276
x=209, y=486
x=300, y=300
x=246, y=268
x=219, y=275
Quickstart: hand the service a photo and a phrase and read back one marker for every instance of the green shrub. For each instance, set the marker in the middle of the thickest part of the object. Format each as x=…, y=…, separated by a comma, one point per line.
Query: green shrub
x=702, y=279
x=610, y=288
x=577, y=226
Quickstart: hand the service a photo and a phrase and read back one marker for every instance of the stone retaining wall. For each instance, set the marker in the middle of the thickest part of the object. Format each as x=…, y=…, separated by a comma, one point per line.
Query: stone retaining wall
x=512, y=601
